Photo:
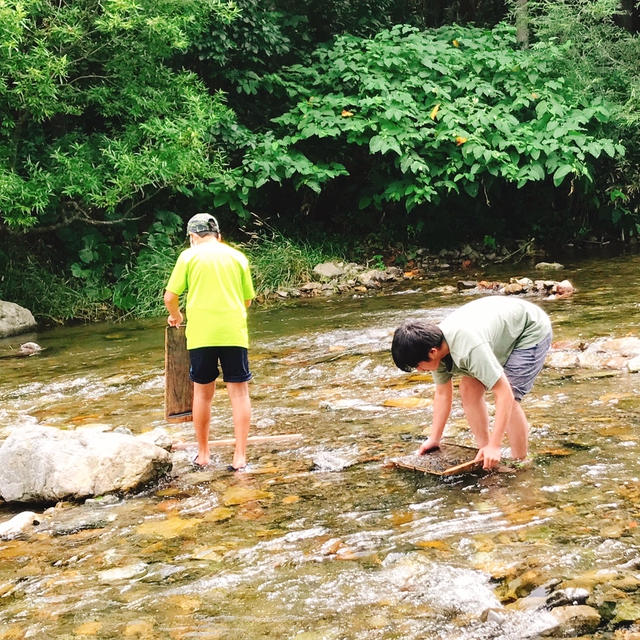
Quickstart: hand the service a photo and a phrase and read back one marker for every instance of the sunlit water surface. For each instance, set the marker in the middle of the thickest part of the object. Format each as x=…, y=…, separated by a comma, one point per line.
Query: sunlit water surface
x=319, y=539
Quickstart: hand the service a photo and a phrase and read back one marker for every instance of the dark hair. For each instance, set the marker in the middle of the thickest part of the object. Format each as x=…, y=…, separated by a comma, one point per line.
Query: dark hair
x=412, y=342
x=204, y=234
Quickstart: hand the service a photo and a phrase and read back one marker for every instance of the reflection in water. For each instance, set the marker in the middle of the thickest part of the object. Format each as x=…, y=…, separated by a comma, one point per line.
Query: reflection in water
x=320, y=539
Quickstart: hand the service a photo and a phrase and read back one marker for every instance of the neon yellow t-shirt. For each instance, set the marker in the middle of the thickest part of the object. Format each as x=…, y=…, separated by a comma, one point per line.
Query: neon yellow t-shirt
x=218, y=281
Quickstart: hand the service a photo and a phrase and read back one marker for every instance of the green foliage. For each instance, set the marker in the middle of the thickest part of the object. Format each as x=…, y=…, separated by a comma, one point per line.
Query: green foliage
x=421, y=115
x=139, y=288
x=95, y=121
x=34, y=283
x=601, y=59
x=277, y=261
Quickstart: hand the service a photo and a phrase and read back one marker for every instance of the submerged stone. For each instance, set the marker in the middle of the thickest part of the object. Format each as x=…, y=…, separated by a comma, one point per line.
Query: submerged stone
x=574, y=621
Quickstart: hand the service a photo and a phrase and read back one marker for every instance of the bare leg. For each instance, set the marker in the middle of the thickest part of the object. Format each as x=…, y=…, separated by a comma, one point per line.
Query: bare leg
x=202, y=397
x=475, y=409
x=241, y=410
x=518, y=432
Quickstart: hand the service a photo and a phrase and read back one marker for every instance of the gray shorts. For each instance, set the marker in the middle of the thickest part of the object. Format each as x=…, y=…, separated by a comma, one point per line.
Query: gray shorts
x=523, y=366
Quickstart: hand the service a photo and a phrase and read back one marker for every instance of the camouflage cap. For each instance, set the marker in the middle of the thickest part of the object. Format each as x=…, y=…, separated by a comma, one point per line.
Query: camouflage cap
x=202, y=222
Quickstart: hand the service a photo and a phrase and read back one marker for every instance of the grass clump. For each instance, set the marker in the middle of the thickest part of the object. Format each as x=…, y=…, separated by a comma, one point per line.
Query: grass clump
x=278, y=262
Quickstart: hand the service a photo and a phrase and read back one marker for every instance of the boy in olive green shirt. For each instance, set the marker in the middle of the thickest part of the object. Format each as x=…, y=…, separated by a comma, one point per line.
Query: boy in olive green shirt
x=219, y=290
x=497, y=343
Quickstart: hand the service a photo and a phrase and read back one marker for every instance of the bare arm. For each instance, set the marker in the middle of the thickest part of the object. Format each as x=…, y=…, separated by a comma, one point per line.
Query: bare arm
x=172, y=303
x=442, y=400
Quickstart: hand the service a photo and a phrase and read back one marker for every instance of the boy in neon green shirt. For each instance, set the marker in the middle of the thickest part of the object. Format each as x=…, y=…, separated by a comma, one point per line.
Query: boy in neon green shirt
x=219, y=290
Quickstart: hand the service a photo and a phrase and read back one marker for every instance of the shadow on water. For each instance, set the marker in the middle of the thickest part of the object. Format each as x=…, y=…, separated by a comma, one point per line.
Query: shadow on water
x=320, y=539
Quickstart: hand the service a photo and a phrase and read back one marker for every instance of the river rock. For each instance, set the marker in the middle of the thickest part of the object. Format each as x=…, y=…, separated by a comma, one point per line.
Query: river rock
x=44, y=464
x=308, y=287
x=372, y=278
x=563, y=597
x=626, y=611
x=550, y=266
x=328, y=270
x=15, y=319
x=446, y=289
x=159, y=437
x=562, y=359
x=574, y=621
x=633, y=365
x=18, y=524
x=513, y=288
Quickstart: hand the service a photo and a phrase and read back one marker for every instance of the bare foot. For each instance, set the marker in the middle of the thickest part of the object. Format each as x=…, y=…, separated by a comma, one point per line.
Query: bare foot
x=201, y=461
x=239, y=462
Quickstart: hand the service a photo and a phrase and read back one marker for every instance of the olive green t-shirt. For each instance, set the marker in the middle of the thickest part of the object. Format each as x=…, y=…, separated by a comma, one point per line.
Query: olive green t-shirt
x=218, y=281
x=482, y=334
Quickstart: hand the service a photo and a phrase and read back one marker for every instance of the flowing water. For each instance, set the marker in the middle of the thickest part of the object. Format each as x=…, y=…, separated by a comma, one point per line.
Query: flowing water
x=319, y=539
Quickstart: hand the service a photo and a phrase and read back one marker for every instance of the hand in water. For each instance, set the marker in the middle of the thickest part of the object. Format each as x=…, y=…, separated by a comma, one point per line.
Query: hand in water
x=489, y=455
x=430, y=444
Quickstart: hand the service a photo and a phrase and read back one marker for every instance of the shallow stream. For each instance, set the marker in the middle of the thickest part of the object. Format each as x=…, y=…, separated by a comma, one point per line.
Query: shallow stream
x=319, y=539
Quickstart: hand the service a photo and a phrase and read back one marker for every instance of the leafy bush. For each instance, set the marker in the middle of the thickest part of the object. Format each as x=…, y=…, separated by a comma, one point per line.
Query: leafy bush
x=95, y=121
x=139, y=289
x=415, y=116
x=601, y=59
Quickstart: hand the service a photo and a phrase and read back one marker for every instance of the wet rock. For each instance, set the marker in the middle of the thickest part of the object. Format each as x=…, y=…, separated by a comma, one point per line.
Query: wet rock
x=562, y=359
x=494, y=616
x=530, y=603
x=159, y=437
x=328, y=270
x=513, y=288
x=525, y=283
x=265, y=423
x=466, y=284
x=628, y=583
x=525, y=583
x=18, y=525
x=486, y=285
x=628, y=346
x=15, y=319
x=544, y=286
x=563, y=597
x=30, y=348
x=44, y=464
x=602, y=353
x=550, y=266
x=310, y=286
x=562, y=289
x=447, y=289
x=626, y=611
x=90, y=516
x=333, y=460
x=574, y=621
x=633, y=365
x=122, y=573
x=371, y=279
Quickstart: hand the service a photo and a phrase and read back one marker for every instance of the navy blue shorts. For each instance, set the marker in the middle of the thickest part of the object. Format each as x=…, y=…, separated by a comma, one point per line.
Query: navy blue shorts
x=233, y=360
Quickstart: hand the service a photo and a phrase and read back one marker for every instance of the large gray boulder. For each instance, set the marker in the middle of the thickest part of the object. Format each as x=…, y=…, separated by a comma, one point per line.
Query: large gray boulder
x=44, y=464
x=15, y=319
